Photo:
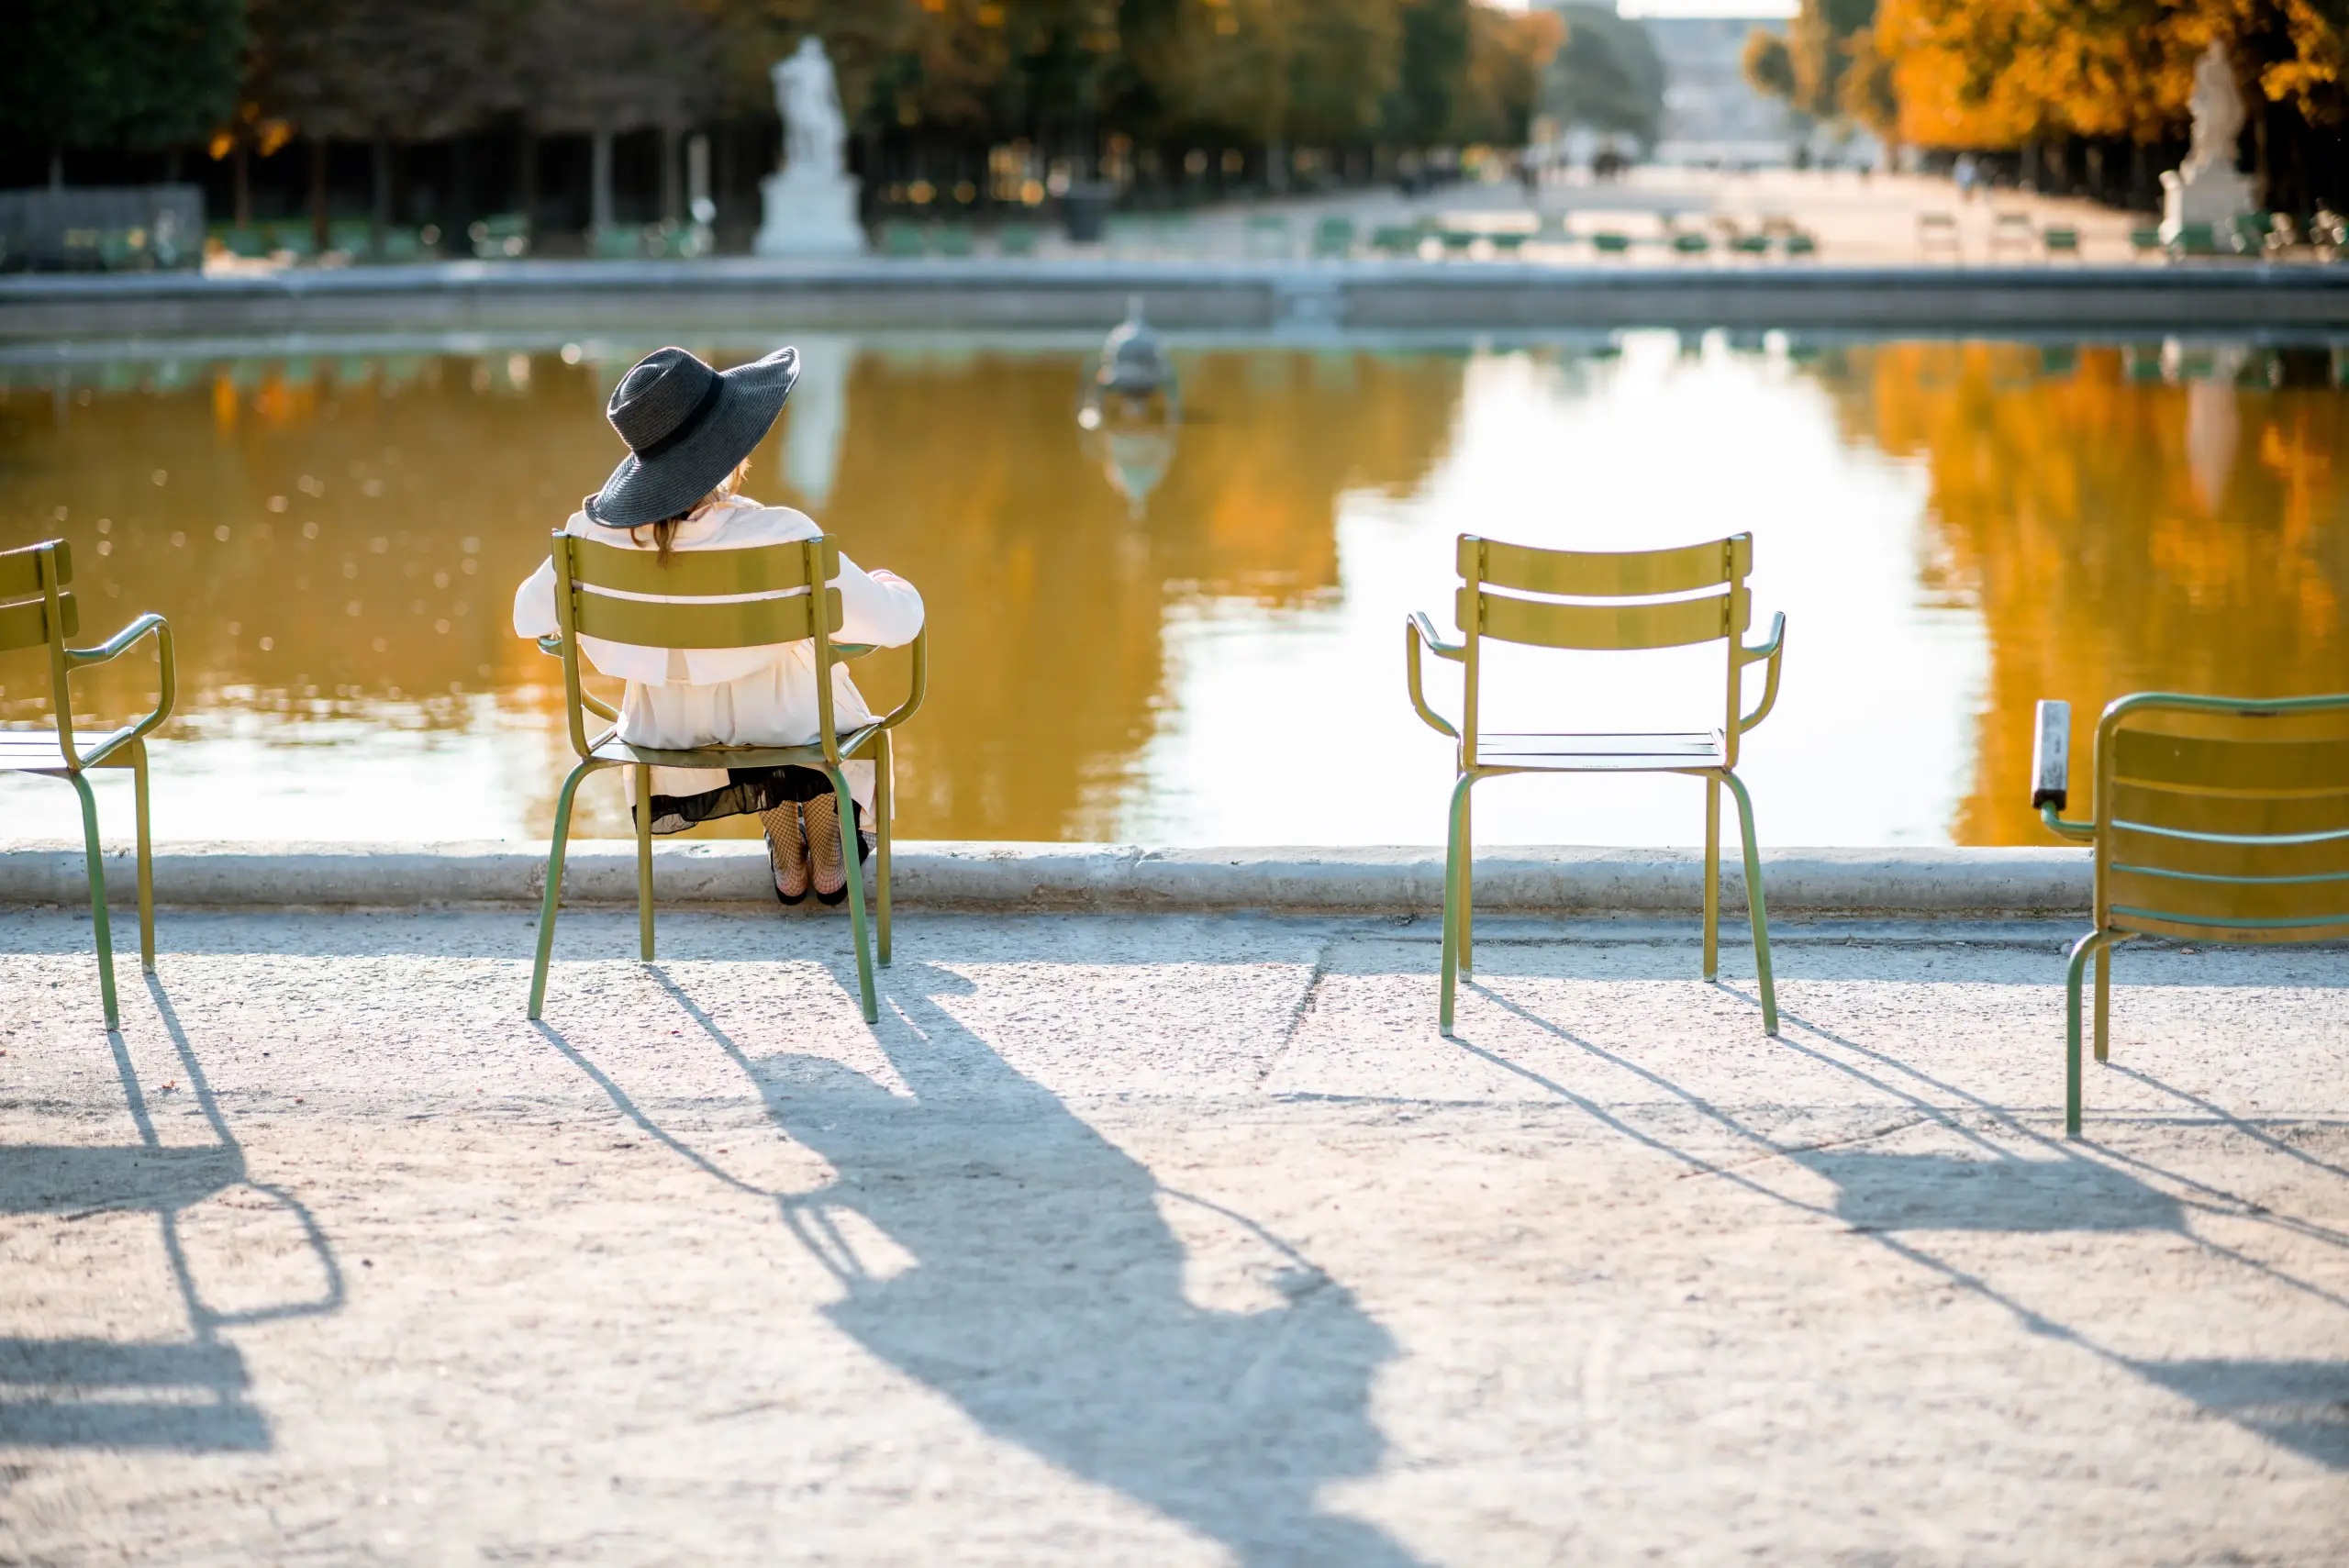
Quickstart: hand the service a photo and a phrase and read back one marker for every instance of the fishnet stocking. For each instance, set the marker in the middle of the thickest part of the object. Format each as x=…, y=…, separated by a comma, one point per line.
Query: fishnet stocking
x=787, y=849
x=823, y=844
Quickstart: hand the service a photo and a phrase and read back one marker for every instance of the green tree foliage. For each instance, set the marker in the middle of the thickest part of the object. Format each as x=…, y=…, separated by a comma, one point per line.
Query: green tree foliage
x=1605, y=74
x=127, y=74
x=1434, y=66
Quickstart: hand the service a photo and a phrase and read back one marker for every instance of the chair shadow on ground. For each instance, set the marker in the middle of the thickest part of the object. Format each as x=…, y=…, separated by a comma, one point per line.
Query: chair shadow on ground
x=188, y=1394
x=1045, y=1293
x=1900, y=1199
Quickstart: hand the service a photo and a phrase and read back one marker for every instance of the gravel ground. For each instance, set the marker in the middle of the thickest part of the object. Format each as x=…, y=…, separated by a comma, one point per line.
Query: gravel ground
x=1163, y=1241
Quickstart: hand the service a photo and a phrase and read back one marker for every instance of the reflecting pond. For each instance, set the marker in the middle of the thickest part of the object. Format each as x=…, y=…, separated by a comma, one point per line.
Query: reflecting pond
x=1191, y=634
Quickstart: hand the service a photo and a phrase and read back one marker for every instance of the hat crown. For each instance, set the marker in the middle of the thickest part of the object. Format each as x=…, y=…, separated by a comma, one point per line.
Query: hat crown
x=657, y=395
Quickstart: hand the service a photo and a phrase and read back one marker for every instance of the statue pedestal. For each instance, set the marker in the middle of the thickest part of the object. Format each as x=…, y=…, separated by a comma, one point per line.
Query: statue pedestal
x=808, y=214
x=2213, y=194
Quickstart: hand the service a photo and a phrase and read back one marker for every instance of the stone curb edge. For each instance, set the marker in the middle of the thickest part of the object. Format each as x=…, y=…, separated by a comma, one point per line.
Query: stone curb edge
x=948, y=874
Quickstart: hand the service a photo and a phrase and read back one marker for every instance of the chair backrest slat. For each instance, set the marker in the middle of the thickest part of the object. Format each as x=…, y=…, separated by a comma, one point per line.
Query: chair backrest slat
x=710, y=623
x=20, y=568
x=709, y=584
x=26, y=625
x=1674, y=623
x=695, y=573
x=1598, y=574
x=2224, y=822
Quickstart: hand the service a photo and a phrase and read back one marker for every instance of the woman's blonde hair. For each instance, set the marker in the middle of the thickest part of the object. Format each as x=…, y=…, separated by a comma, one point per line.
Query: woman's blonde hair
x=665, y=529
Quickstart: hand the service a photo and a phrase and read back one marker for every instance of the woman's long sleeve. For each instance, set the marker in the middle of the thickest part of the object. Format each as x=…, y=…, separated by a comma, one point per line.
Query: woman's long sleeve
x=884, y=612
x=534, y=614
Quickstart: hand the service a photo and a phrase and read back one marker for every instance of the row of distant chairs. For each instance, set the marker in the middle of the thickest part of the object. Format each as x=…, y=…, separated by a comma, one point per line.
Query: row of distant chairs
x=2254, y=235
x=2216, y=819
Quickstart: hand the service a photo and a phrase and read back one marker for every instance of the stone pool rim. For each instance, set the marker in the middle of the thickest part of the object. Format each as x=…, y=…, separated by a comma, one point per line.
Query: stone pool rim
x=1281, y=297
x=946, y=874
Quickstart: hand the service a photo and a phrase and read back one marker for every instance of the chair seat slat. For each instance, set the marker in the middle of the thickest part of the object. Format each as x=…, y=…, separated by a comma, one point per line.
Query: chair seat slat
x=698, y=574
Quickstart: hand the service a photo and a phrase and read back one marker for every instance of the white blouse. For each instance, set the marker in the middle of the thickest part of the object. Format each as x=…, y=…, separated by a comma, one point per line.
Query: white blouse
x=682, y=698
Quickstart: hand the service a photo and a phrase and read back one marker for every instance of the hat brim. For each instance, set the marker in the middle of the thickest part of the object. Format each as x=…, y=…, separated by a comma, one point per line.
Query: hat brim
x=645, y=490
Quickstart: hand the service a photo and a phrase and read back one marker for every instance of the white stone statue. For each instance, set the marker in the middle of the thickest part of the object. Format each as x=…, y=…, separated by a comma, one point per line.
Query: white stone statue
x=2206, y=188
x=810, y=205
x=808, y=99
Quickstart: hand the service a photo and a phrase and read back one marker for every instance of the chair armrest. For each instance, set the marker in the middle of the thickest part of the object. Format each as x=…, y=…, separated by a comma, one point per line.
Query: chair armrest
x=167, y=667
x=1418, y=629
x=2051, y=770
x=553, y=647
x=1771, y=650
x=917, y=691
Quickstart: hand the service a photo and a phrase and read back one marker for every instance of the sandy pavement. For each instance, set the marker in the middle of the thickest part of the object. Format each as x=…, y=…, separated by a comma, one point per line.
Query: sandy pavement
x=1163, y=1241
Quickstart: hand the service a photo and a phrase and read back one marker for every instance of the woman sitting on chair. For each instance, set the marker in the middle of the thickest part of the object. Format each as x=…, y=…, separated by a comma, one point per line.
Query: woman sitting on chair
x=690, y=432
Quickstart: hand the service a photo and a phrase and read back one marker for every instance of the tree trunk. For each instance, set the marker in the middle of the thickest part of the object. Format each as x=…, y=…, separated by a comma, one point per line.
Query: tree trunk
x=381, y=217
x=599, y=192
x=671, y=202
x=531, y=182
x=57, y=175
x=318, y=193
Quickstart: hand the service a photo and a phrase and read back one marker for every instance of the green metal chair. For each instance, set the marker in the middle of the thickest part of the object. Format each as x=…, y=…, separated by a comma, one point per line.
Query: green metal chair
x=589, y=577
x=1016, y=239
x=1650, y=598
x=955, y=241
x=903, y=240
x=1333, y=238
x=35, y=611
x=1607, y=242
x=2217, y=819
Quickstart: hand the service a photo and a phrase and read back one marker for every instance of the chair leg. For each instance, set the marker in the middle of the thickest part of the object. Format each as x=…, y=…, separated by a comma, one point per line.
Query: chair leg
x=644, y=861
x=553, y=899
x=1712, y=877
x=146, y=859
x=2094, y=943
x=1454, y=851
x=1755, y=910
x=1466, y=916
x=883, y=802
x=856, y=898
x=97, y=898
x=2103, y=1002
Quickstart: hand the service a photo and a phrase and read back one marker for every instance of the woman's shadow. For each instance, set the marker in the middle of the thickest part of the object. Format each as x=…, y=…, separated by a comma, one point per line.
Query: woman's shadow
x=1045, y=1293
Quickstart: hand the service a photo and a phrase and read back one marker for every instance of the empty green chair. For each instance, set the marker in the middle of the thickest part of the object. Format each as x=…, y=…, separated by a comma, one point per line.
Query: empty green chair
x=1396, y=239
x=2061, y=242
x=1690, y=243
x=2216, y=819
x=37, y=611
x=500, y=237
x=1801, y=242
x=1333, y=238
x=1607, y=242
x=1016, y=239
x=903, y=241
x=2194, y=240
x=1751, y=244
x=712, y=611
x=1650, y=598
x=617, y=243
x=955, y=239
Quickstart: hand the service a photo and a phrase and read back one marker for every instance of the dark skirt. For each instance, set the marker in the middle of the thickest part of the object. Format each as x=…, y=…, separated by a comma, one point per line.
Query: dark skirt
x=749, y=791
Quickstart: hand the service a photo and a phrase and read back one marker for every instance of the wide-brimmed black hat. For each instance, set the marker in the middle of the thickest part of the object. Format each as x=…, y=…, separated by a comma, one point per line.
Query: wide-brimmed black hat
x=687, y=427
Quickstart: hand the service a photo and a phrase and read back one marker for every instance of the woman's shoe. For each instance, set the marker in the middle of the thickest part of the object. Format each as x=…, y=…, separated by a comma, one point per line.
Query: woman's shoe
x=787, y=852
x=824, y=849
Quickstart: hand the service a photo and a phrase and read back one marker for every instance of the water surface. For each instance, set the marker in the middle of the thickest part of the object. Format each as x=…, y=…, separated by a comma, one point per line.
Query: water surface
x=1192, y=635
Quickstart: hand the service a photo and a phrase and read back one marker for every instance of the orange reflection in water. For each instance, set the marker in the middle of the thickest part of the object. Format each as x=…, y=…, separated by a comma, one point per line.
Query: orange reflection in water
x=339, y=540
x=2124, y=521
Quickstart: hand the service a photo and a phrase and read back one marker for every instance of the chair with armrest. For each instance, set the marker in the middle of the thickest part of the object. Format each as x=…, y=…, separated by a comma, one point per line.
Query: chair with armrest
x=37, y=611
x=1594, y=601
x=712, y=611
x=2217, y=819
